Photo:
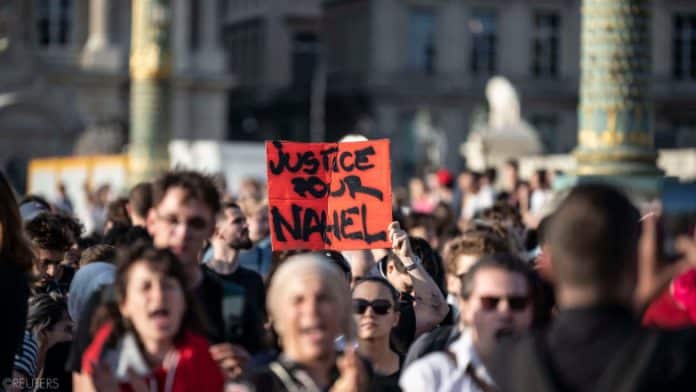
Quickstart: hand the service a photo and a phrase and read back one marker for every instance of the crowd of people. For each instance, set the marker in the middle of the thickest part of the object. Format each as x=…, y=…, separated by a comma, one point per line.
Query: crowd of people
x=488, y=286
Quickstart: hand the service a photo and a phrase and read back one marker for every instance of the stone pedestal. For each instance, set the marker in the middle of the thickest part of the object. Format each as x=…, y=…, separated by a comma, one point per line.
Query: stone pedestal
x=615, y=138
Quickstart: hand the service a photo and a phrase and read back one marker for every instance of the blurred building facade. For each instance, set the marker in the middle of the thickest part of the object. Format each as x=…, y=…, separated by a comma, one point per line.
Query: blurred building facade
x=64, y=79
x=411, y=70
x=393, y=59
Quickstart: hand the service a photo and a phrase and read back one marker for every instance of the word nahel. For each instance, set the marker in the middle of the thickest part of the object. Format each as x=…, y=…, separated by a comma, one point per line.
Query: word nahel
x=329, y=195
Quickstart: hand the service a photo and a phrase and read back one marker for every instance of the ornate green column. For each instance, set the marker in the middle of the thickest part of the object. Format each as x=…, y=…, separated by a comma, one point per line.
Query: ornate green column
x=615, y=138
x=150, y=71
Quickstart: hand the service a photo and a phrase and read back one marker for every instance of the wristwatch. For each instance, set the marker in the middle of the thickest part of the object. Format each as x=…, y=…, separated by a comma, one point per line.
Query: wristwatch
x=414, y=265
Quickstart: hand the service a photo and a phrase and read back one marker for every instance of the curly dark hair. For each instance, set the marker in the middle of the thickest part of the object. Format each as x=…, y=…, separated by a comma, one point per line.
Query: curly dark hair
x=72, y=225
x=46, y=231
x=46, y=310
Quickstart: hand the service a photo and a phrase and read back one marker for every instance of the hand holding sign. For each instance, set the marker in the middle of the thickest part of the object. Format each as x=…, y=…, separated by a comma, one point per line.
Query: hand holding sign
x=400, y=243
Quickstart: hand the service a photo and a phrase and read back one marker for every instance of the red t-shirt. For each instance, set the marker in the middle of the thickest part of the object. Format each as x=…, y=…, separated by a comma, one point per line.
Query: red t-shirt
x=195, y=370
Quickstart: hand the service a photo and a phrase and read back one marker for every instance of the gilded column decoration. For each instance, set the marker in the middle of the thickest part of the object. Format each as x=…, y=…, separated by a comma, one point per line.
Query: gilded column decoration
x=150, y=70
x=615, y=115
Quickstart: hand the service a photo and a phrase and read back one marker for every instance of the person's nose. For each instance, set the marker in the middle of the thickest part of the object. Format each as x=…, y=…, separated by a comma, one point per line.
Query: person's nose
x=156, y=294
x=51, y=270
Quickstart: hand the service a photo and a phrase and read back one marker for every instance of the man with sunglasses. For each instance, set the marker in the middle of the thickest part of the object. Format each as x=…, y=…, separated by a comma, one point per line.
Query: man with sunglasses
x=495, y=301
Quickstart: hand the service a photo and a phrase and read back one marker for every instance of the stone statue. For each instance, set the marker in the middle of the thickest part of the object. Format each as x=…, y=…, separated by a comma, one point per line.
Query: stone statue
x=506, y=135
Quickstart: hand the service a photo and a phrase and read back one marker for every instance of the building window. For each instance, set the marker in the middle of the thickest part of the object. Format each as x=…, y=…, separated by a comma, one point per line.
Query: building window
x=54, y=22
x=483, y=27
x=305, y=51
x=684, y=50
x=547, y=32
x=546, y=125
x=421, y=53
x=245, y=44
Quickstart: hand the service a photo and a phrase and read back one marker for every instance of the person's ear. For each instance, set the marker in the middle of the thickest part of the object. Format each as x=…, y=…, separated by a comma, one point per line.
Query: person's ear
x=397, y=317
x=390, y=268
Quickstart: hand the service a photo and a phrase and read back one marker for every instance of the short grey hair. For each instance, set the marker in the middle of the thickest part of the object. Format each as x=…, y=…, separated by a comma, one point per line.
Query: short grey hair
x=317, y=264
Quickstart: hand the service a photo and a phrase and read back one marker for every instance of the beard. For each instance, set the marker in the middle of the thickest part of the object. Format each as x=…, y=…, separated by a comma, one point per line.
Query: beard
x=242, y=244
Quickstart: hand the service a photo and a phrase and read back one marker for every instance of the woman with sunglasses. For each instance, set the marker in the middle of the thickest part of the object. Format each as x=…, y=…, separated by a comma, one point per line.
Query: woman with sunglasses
x=376, y=312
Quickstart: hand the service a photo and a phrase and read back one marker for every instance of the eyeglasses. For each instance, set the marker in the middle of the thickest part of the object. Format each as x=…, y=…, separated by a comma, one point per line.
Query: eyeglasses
x=514, y=303
x=379, y=306
x=195, y=223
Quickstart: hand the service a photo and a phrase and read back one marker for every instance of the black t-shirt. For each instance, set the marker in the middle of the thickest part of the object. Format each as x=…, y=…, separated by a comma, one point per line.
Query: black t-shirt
x=243, y=307
x=388, y=383
x=14, y=293
x=209, y=294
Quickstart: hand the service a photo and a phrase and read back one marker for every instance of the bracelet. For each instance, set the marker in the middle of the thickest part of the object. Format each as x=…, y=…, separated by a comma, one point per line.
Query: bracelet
x=414, y=265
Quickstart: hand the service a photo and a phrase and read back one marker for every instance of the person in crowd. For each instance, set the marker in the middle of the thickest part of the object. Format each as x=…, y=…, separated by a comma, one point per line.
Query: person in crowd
x=151, y=342
x=88, y=280
x=496, y=300
x=337, y=258
x=511, y=177
x=258, y=258
x=376, y=313
x=74, y=230
x=420, y=225
x=420, y=198
x=16, y=263
x=541, y=191
x=601, y=275
x=97, y=202
x=32, y=205
x=462, y=253
x=309, y=305
x=62, y=201
x=442, y=183
x=361, y=263
x=139, y=203
x=121, y=234
x=445, y=225
x=104, y=253
x=50, y=241
x=675, y=307
x=472, y=200
x=117, y=214
x=244, y=291
x=422, y=304
x=185, y=205
x=47, y=324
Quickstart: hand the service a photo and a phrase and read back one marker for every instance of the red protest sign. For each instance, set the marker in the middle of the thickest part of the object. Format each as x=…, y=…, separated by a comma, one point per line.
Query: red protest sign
x=329, y=195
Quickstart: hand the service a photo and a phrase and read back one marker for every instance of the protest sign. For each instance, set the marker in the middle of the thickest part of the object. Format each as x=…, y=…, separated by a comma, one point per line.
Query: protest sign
x=329, y=195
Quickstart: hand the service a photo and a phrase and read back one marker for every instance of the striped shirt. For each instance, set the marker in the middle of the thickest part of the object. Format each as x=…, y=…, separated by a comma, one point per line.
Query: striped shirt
x=27, y=356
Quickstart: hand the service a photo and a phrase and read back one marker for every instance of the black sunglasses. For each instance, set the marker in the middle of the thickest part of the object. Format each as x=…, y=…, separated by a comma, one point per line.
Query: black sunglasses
x=379, y=306
x=515, y=303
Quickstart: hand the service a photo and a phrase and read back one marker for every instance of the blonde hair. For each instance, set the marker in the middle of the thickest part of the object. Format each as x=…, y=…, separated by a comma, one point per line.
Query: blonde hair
x=307, y=264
